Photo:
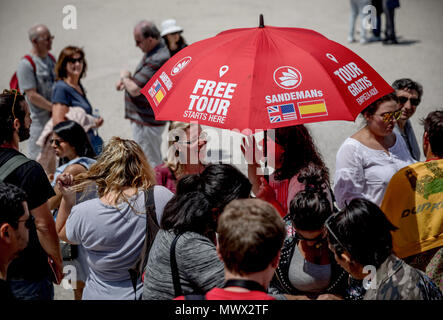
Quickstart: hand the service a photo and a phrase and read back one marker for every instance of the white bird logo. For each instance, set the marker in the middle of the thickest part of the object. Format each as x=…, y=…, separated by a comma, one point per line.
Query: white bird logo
x=288, y=78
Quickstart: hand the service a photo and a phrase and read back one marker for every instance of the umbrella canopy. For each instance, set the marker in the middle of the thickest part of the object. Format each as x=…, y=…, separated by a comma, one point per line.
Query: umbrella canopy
x=263, y=78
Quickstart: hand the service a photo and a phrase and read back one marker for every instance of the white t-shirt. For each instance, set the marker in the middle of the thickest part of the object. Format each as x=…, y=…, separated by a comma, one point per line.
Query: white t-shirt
x=362, y=172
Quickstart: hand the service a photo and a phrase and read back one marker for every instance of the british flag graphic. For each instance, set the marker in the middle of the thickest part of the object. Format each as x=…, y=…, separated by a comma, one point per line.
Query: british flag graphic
x=284, y=112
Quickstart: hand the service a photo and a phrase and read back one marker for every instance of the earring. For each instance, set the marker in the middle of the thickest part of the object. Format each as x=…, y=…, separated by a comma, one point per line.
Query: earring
x=177, y=153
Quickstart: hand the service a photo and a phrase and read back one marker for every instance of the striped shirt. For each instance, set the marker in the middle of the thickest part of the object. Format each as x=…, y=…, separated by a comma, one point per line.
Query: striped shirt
x=138, y=108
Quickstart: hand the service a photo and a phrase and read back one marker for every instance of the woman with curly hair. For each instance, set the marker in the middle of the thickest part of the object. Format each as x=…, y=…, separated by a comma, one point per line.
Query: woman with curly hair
x=112, y=227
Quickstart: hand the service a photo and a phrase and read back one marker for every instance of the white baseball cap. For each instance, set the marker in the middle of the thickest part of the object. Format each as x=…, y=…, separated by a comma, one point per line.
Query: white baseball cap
x=170, y=26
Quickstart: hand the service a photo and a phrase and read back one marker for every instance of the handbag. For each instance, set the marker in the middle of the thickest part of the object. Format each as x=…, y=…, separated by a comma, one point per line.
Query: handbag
x=69, y=251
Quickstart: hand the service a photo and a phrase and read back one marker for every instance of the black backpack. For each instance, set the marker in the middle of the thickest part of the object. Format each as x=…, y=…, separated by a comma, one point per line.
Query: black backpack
x=152, y=227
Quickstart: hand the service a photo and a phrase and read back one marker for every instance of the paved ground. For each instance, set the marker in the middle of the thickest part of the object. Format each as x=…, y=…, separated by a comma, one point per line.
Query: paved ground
x=105, y=33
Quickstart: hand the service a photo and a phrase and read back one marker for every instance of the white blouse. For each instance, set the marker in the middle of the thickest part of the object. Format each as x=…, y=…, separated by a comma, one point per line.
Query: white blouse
x=364, y=172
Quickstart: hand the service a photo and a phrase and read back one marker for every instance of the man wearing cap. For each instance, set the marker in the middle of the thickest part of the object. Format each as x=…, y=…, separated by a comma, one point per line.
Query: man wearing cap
x=146, y=131
x=171, y=33
x=409, y=94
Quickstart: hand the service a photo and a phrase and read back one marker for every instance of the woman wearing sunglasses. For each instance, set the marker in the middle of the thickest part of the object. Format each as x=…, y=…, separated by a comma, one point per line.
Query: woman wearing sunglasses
x=186, y=153
x=367, y=160
x=307, y=269
x=69, y=92
x=71, y=145
x=360, y=237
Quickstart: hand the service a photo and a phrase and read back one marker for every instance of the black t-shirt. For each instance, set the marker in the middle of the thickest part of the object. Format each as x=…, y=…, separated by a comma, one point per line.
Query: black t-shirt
x=32, y=263
x=5, y=291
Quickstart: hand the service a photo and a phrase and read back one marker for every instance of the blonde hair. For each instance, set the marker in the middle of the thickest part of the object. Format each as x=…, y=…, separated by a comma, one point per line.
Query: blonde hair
x=121, y=164
x=172, y=159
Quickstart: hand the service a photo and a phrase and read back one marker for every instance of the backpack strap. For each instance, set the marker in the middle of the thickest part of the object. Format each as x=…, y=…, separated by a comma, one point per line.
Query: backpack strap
x=195, y=297
x=174, y=269
x=9, y=166
x=151, y=230
x=51, y=56
x=31, y=61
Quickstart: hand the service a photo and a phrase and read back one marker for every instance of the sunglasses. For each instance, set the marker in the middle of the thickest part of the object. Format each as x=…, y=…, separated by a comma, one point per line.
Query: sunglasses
x=15, y=93
x=47, y=38
x=57, y=142
x=389, y=116
x=413, y=101
x=28, y=222
x=74, y=60
x=327, y=222
x=319, y=238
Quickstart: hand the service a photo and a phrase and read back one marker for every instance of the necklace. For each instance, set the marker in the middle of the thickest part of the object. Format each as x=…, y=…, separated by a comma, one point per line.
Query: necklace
x=246, y=284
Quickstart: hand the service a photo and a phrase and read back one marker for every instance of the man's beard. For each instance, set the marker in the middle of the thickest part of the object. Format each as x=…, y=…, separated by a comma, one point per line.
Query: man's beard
x=23, y=133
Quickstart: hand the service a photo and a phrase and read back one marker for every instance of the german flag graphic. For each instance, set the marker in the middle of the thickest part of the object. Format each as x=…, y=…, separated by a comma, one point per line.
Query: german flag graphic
x=313, y=108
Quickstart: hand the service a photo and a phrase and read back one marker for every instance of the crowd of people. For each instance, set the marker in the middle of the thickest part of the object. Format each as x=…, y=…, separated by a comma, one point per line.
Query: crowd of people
x=207, y=231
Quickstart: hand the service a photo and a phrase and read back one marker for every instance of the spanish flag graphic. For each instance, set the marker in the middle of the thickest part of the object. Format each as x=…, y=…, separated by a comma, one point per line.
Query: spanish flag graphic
x=313, y=108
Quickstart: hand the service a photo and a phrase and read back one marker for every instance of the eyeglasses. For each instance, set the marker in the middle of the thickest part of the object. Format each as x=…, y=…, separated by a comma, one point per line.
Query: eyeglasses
x=389, y=116
x=57, y=142
x=413, y=101
x=15, y=92
x=47, y=38
x=28, y=222
x=74, y=60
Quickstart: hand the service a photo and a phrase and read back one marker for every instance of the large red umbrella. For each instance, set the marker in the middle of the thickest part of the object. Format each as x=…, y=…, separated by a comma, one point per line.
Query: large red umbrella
x=263, y=78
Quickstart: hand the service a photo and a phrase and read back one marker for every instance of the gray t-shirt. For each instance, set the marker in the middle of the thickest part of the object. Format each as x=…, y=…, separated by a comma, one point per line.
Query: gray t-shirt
x=199, y=267
x=307, y=276
x=42, y=79
x=113, y=240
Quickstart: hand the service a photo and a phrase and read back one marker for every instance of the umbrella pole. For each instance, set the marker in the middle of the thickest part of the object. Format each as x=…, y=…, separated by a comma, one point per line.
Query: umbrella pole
x=265, y=152
x=262, y=23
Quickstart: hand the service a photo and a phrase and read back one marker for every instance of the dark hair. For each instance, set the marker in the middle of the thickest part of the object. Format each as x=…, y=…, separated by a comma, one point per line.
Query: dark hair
x=200, y=198
x=310, y=207
x=65, y=54
x=149, y=30
x=408, y=84
x=299, y=150
x=362, y=229
x=6, y=116
x=73, y=133
x=11, y=207
x=433, y=125
x=372, y=108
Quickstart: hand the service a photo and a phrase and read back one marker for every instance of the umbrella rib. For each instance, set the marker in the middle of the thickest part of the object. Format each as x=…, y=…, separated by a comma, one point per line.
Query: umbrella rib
x=327, y=73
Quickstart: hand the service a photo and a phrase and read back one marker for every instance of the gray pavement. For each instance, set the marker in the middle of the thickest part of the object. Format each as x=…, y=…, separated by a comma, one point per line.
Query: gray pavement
x=105, y=33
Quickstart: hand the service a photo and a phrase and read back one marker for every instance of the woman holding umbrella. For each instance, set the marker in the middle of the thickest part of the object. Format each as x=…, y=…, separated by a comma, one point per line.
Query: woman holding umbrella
x=368, y=159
